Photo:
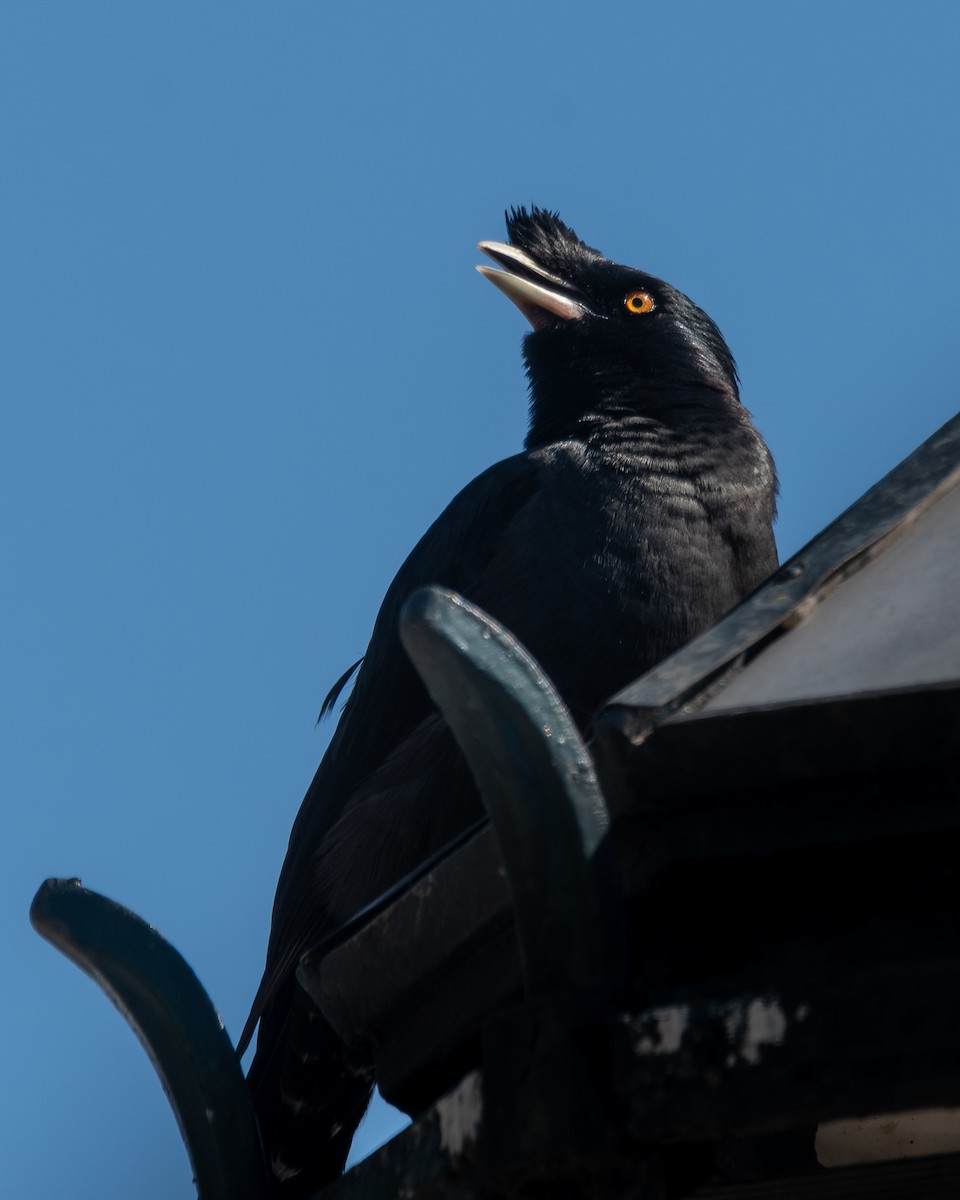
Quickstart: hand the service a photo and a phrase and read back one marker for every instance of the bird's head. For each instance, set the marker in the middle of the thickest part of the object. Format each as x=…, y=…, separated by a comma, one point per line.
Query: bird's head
x=604, y=336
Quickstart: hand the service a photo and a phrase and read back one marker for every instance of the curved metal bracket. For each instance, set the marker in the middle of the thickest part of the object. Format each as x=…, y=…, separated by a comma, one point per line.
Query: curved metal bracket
x=168, y=1009
x=538, y=784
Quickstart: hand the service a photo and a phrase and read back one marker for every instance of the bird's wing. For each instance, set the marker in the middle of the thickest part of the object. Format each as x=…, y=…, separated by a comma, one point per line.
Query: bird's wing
x=388, y=701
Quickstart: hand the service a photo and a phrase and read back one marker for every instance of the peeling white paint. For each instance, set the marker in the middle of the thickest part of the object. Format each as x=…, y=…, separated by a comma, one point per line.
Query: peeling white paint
x=750, y=1026
x=460, y=1113
x=665, y=1030
x=763, y=1023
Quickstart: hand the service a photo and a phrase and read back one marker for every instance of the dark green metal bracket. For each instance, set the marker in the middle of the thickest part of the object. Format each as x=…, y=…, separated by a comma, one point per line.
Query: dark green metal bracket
x=543, y=1119
x=539, y=787
x=168, y=1009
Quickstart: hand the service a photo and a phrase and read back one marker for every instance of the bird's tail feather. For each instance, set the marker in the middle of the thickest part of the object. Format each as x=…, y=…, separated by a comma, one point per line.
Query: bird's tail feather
x=308, y=1095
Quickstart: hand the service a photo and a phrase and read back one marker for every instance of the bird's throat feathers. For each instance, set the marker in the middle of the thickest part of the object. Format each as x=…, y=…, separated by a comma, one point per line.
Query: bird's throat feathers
x=574, y=384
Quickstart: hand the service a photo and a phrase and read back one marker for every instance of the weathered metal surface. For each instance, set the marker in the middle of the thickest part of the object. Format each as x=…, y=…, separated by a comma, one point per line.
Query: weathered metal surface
x=538, y=784
x=419, y=976
x=892, y=624
x=434, y=1157
x=879, y=736
x=165, y=1005
x=441, y=1156
x=662, y=1101
x=454, y=1150
x=854, y=1041
x=464, y=899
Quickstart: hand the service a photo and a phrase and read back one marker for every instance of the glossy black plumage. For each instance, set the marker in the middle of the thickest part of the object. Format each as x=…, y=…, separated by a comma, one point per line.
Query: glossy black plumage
x=638, y=512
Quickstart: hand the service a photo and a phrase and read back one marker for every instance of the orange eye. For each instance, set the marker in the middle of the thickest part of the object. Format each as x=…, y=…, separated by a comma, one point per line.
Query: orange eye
x=639, y=302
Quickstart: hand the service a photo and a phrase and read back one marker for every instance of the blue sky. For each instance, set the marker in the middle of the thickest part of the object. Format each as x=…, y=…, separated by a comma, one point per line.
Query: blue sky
x=247, y=360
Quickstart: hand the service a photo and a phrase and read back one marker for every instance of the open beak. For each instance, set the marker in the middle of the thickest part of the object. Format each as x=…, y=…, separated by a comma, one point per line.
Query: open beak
x=537, y=293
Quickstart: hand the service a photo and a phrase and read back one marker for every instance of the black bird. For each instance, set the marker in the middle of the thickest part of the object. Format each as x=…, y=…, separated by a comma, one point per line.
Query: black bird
x=638, y=512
